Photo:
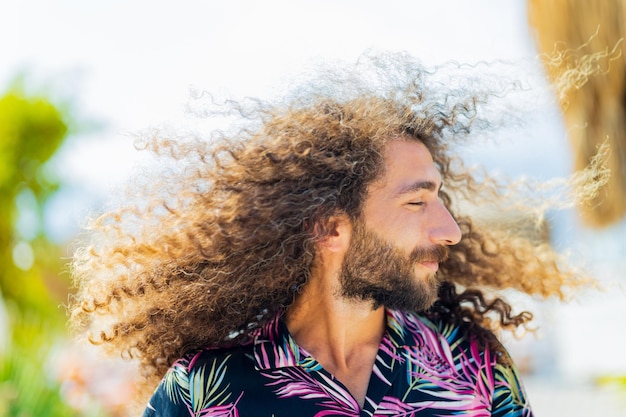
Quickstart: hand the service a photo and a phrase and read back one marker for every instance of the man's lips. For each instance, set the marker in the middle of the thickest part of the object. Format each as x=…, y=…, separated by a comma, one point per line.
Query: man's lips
x=432, y=265
x=430, y=258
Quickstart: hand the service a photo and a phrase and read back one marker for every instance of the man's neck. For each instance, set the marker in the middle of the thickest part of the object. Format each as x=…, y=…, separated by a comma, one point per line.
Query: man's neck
x=342, y=335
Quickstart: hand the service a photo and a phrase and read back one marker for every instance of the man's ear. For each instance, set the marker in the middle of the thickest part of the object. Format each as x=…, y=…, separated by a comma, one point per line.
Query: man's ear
x=334, y=235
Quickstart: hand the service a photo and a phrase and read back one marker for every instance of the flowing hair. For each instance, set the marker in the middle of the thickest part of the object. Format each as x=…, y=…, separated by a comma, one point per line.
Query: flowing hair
x=224, y=239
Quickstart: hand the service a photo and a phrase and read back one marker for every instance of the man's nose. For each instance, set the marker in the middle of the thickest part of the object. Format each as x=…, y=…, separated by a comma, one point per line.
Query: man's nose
x=444, y=229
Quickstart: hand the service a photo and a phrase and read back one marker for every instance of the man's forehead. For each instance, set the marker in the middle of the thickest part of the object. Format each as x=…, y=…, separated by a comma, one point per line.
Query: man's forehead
x=402, y=146
x=410, y=156
x=409, y=166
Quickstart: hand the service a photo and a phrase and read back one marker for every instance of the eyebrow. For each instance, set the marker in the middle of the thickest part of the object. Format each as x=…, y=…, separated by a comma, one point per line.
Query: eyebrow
x=418, y=186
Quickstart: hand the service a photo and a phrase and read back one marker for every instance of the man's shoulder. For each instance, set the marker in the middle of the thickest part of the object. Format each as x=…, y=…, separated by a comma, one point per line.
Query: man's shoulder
x=455, y=342
x=417, y=326
x=212, y=357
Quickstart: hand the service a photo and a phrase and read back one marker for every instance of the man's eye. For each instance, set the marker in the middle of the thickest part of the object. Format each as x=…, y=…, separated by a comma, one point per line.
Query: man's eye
x=416, y=203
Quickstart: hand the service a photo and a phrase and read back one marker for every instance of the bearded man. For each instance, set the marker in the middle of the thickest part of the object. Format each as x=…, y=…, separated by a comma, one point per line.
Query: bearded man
x=313, y=264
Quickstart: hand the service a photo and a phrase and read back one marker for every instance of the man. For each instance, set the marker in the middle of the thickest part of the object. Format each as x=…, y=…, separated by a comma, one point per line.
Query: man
x=312, y=265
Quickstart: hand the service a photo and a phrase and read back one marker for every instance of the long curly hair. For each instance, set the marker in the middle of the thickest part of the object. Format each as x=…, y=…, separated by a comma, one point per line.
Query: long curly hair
x=223, y=239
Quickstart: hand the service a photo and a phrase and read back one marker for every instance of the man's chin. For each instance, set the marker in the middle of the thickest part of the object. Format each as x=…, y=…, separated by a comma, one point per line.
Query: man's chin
x=415, y=300
x=408, y=293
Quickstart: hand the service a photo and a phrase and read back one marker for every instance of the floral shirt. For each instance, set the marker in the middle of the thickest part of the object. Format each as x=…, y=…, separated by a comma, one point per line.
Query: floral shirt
x=422, y=369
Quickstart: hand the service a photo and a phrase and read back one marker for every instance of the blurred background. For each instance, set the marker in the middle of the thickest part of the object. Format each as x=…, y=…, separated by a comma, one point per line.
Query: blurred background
x=77, y=78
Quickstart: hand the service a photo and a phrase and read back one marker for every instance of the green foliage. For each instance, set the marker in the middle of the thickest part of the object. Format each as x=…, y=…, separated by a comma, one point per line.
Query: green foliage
x=31, y=283
x=26, y=386
x=31, y=130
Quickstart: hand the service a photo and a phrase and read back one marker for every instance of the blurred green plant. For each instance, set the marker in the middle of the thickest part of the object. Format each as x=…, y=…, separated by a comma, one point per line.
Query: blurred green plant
x=31, y=130
x=27, y=388
x=32, y=285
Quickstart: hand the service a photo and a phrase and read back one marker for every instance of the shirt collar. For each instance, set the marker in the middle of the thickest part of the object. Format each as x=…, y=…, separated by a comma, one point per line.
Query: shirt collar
x=275, y=348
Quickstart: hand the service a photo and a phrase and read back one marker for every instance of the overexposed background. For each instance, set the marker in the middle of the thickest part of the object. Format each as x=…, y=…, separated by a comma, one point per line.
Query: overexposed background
x=129, y=65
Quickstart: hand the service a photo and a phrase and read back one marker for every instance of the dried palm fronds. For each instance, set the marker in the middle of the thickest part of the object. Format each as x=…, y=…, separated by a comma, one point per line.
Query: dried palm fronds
x=582, y=43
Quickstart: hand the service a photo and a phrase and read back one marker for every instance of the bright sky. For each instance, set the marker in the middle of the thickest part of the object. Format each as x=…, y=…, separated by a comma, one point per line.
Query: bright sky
x=130, y=64
x=134, y=58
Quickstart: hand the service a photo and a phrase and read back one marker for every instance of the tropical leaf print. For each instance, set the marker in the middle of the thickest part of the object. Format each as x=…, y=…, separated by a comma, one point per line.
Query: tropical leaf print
x=176, y=382
x=273, y=351
x=206, y=385
x=386, y=360
x=508, y=393
x=422, y=368
x=296, y=382
x=203, y=389
x=395, y=327
x=391, y=406
x=458, y=380
x=229, y=410
x=271, y=355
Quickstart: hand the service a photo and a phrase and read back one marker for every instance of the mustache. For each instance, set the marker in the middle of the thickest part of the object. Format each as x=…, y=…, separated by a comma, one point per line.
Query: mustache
x=438, y=253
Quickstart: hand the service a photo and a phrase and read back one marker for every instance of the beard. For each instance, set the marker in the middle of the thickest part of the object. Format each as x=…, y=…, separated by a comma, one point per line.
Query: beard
x=375, y=270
